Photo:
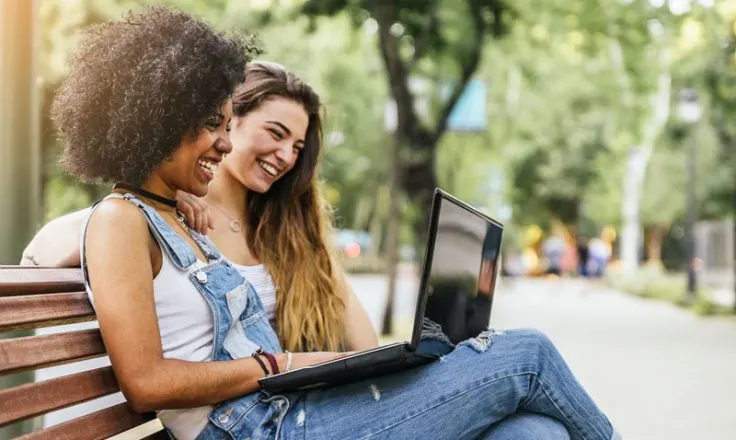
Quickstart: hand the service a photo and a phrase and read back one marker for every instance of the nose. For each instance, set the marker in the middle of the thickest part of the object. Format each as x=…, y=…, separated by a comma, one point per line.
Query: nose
x=223, y=145
x=285, y=154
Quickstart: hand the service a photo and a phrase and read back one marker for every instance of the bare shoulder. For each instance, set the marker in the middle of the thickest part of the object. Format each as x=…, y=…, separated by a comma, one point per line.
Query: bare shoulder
x=117, y=238
x=117, y=214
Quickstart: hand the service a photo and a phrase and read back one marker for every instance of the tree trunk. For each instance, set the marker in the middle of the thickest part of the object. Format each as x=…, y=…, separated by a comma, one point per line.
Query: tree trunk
x=392, y=235
x=639, y=154
x=636, y=168
x=630, y=203
x=734, y=234
x=655, y=240
x=420, y=183
x=19, y=150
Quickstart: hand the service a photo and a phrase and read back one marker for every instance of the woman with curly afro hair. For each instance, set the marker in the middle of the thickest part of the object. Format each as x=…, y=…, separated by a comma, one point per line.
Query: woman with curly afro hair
x=186, y=334
x=141, y=86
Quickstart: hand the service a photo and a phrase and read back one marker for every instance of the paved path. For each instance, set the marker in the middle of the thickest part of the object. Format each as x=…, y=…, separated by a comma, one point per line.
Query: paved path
x=657, y=371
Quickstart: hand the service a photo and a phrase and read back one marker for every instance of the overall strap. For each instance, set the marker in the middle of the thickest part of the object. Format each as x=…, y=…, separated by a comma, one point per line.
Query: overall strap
x=178, y=251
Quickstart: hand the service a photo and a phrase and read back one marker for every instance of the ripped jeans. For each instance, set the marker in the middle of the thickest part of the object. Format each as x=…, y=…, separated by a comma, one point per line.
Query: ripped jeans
x=465, y=395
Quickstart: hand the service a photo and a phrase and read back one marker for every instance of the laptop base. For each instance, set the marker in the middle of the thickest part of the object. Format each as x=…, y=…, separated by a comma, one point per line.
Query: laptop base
x=382, y=360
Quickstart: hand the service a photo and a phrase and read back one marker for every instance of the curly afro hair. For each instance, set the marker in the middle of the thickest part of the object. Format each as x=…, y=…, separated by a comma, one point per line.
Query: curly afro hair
x=139, y=86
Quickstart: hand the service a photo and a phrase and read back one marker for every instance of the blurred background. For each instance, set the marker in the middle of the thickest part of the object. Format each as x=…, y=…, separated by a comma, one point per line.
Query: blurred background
x=601, y=133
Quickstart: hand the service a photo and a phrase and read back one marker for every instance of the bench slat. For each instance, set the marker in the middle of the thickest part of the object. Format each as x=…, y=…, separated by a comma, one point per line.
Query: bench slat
x=33, y=352
x=33, y=311
x=161, y=435
x=16, y=280
x=34, y=399
x=96, y=426
x=32, y=297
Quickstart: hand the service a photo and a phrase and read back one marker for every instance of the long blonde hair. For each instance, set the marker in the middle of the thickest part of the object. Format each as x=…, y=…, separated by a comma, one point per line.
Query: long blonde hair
x=289, y=225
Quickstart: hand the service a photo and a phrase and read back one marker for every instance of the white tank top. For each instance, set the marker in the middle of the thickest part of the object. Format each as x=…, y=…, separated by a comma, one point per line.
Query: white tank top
x=261, y=280
x=175, y=307
x=186, y=329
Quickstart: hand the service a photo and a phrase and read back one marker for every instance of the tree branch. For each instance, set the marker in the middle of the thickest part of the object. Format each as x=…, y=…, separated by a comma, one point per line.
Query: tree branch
x=386, y=14
x=469, y=66
x=421, y=43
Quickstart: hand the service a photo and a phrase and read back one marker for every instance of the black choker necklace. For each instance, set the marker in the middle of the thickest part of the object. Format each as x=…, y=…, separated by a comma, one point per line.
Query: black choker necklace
x=143, y=192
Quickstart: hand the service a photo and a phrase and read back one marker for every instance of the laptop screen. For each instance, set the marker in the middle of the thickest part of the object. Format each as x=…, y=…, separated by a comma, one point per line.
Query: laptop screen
x=462, y=265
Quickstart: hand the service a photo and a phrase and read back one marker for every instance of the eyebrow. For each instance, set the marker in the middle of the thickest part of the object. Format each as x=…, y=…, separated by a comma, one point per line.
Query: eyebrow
x=285, y=128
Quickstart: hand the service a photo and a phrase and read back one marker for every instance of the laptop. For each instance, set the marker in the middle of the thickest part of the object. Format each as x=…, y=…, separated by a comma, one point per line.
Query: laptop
x=454, y=301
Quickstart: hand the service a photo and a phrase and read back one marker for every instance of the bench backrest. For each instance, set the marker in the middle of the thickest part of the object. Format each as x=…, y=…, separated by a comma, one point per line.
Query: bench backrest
x=31, y=298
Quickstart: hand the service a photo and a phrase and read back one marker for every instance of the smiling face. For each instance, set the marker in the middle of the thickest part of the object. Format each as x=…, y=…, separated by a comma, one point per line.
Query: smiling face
x=267, y=142
x=193, y=165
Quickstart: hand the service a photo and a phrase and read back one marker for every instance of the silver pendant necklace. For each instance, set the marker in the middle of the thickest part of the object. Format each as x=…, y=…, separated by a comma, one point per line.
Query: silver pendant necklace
x=236, y=225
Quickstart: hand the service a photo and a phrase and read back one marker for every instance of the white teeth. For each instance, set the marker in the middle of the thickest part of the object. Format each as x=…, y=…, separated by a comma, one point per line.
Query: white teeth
x=207, y=165
x=268, y=168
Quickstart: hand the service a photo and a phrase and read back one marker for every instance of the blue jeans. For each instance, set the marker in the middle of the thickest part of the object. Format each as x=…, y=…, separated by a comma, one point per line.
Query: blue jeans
x=462, y=396
x=470, y=393
x=526, y=426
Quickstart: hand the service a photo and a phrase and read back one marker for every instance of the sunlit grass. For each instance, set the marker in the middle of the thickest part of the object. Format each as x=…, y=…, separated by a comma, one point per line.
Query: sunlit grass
x=655, y=283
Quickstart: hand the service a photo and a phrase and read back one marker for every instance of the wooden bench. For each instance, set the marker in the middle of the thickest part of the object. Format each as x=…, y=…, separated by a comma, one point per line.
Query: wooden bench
x=32, y=298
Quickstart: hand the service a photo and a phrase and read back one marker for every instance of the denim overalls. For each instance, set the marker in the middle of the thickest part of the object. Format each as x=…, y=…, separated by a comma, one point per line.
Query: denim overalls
x=469, y=393
x=240, y=327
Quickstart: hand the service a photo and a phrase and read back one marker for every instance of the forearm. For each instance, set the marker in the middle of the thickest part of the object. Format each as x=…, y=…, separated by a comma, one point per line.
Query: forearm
x=57, y=243
x=60, y=254
x=29, y=257
x=173, y=383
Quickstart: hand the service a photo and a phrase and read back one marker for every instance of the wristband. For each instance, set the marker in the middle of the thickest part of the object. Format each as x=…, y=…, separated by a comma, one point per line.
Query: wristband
x=288, y=362
x=272, y=361
x=260, y=362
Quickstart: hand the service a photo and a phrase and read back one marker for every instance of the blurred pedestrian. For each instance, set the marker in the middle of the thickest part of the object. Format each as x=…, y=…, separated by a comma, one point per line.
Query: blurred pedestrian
x=554, y=251
x=582, y=248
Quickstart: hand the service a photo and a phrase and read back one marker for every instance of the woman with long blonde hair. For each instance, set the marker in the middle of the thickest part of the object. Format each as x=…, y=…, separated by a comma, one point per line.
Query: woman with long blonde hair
x=267, y=212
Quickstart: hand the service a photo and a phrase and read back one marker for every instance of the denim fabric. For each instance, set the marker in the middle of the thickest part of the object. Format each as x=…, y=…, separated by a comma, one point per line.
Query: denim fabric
x=471, y=392
x=467, y=394
x=461, y=396
x=526, y=426
x=240, y=324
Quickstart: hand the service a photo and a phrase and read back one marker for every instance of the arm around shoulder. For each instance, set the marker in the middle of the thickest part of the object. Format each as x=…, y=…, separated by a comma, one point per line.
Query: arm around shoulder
x=56, y=244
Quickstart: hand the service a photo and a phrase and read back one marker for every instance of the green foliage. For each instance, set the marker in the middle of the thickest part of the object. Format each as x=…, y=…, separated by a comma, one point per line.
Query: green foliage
x=63, y=196
x=562, y=108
